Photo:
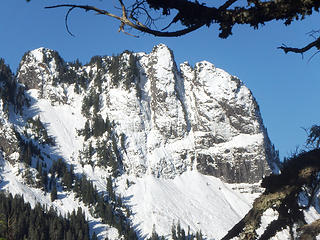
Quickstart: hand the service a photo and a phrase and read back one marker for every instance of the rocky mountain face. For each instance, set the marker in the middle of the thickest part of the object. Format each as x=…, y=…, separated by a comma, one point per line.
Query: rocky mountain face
x=169, y=119
x=134, y=141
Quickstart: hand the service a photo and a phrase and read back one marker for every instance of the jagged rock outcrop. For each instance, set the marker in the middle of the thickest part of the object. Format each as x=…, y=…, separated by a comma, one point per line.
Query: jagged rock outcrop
x=169, y=120
x=36, y=65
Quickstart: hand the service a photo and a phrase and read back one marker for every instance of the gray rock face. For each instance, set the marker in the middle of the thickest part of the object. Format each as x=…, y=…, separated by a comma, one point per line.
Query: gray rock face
x=40, y=69
x=239, y=169
x=232, y=141
x=173, y=120
x=9, y=144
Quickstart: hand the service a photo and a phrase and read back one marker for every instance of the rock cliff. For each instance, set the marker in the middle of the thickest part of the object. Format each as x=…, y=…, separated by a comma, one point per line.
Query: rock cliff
x=166, y=119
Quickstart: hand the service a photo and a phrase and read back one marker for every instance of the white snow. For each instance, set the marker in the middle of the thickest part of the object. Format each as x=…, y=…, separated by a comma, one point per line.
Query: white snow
x=62, y=122
x=268, y=216
x=202, y=202
x=38, y=54
x=282, y=235
x=311, y=215
x=240, y=141
x=313, y=212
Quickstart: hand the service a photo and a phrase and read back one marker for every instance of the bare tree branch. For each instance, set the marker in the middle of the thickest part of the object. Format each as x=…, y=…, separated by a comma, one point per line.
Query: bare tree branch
x=315, y=43
x=193, y=15
x=125, y=21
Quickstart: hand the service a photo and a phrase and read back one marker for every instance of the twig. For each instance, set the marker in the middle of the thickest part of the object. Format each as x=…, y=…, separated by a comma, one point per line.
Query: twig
x=66, y=21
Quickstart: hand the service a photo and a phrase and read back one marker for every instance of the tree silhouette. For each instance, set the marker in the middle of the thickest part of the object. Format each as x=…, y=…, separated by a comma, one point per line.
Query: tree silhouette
x=189, y=15
x=314, y=136
x=54, y=193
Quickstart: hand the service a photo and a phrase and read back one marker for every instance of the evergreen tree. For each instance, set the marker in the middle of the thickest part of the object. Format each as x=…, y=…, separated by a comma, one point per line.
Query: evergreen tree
x=154, y=235
x=85, y=108
x=95, y=102
x=90, y=150
x=179, y=230
x=110, y=189
x=27, y=154
x=67, y=179
x=99, y=126
x=54, y=193
x=174, y=232
x=39, y=168
x=44, y=180
x=87, y=130
x=183, y=234
x=199, y=235
x=123, y=141
x=19, y=221
x=94, y=236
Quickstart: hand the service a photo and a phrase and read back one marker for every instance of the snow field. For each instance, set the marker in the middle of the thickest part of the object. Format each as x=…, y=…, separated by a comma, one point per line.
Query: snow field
x=202, y=202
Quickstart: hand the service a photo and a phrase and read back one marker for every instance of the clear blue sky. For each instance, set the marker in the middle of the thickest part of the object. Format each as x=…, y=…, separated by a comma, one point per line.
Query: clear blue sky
x=285, y=86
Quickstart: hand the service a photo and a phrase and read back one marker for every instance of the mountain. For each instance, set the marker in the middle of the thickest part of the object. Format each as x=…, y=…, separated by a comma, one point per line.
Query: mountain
x=168, y=120
x=136, y=142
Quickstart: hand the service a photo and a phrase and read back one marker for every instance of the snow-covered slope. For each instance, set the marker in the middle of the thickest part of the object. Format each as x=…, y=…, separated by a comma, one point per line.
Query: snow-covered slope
x=201, y=202
x=170, y=138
